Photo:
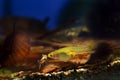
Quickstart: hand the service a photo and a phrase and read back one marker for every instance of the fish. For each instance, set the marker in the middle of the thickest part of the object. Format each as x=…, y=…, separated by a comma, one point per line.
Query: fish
x=66, y=58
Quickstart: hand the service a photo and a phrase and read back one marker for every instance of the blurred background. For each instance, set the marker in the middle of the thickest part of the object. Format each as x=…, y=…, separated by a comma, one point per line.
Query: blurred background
x=101, y=17
x=38, y=9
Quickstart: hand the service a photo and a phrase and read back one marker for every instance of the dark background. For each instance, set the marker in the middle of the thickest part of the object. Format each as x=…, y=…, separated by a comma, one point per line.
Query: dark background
x=38, y=9
x=102, y=17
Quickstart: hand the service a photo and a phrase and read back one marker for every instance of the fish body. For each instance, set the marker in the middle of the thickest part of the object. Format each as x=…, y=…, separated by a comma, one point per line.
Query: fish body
x=66, y=57
x=70, y=53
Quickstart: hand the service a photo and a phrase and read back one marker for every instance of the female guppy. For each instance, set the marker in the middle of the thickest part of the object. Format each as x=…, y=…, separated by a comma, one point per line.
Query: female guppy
x=76, y=55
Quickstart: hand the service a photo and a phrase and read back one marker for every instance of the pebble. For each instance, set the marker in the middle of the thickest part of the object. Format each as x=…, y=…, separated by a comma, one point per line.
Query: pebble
x=48, y=74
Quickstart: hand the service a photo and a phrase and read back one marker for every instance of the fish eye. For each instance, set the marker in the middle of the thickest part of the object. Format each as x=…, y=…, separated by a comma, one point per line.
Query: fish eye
x=50, y=55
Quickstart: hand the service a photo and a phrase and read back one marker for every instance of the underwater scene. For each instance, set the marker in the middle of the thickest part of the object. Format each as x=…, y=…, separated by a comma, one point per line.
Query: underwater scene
x=59, y=40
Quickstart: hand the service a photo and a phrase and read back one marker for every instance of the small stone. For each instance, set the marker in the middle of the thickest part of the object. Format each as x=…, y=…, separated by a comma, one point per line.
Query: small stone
x=21, y=72
x=82, y=69
x=54, y=73
x=66, y=73
x=47, y=74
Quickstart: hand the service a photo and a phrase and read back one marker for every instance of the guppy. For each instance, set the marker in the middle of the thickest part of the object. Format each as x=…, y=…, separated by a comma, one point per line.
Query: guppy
x=66, y=57
x=75, y=54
